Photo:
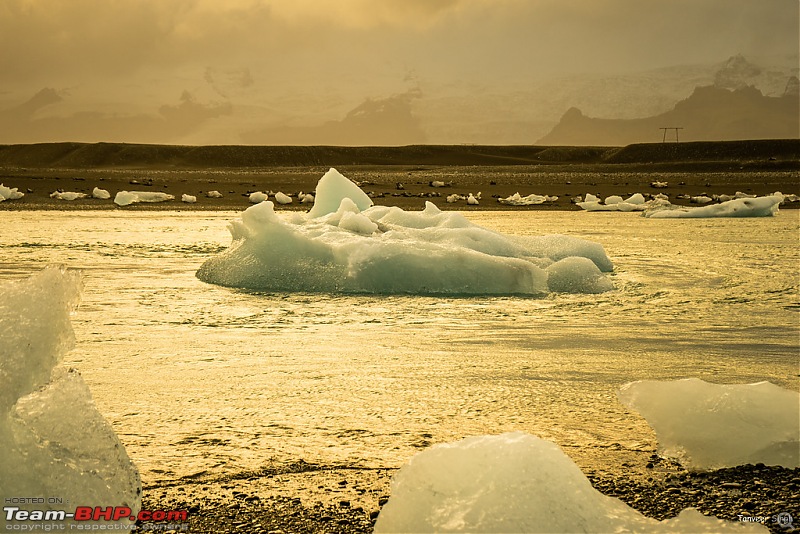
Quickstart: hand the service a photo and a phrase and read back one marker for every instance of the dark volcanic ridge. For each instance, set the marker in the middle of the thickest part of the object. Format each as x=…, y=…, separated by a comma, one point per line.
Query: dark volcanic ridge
x=130, y=156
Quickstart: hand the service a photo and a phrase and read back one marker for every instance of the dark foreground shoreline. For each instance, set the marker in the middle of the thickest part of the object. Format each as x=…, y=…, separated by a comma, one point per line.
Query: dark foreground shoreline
x=311, y=498
x=396, y=176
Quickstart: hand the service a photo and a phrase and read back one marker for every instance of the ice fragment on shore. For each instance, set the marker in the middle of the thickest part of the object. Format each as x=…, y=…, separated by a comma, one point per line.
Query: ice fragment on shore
x=282, y=198
x=387, y=250
x=54, y=442
x=709, y=426
x=258, y=197
x=67, y=195
x=635, y=202
x=100, y=194
x=9, y=193
x=742, y=207
x=515, y=482
x=531, y=200
x=126, y=198
x=189, y=199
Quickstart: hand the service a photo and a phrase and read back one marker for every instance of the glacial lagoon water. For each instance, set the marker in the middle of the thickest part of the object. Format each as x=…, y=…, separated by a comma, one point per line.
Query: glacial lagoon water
x=200, y=380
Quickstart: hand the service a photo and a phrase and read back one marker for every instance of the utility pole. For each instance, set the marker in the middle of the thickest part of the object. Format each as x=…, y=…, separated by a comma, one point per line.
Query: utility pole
x=676, y=128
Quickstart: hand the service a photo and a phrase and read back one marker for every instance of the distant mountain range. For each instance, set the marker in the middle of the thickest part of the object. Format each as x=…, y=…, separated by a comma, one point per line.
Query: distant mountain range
x=743, y=101
x=739, y=98
x=711, y=113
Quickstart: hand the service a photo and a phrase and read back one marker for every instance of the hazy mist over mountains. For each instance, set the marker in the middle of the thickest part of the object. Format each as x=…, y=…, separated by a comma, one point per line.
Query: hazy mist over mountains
x=392, y=72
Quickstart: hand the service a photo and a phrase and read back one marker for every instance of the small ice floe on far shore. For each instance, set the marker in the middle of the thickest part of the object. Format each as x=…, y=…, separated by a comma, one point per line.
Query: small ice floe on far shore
x=67, y=195
x=472, y=199
x=742, y=207
x=635, y=202
x=100, y=194
x=344, y=244
x=189, y=199
x=516, y=482
x=257, y=197
x=9, y=193
x=126, y=198
x=531, y=200
x=711, y=426
x=282, y=198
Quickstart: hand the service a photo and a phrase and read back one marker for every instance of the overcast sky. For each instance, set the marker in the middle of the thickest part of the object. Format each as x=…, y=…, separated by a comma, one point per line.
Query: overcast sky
x=146, y=52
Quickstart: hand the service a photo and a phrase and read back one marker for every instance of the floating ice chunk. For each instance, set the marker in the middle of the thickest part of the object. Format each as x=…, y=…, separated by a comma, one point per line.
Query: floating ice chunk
x=742, y=207
x=659, y=185
x=515, y=482
x=9, y=193
x=126, y=198
x=557, y=247
x=282, y=198
x=101, y=194
x=709, y=426
x=739, y=194
x=258, y=197
x=307, y=198
x=590, y=198
x=613, y=199
x=67, y=195
x=29, y=353
x=331, y=189
x=387, y=250
x=531, y=200
x=454, y=198
x=471, y=200
x=189, y=199
x=701, y=199
x=576, y=275
x=213, y=194
x=54, y=441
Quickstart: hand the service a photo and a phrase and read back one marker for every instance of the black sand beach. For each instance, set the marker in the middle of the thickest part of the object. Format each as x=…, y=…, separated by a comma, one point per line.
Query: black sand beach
x=396, y=176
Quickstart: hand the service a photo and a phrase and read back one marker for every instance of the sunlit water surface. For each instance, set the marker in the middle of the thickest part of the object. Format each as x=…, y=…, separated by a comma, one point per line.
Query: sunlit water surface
x=198, y=380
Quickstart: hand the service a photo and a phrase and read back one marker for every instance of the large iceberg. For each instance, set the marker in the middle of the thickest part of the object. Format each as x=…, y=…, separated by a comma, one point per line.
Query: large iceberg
x=56, y=447
x=344, y=244
x=515, y=482
x=709, y=426
x=740, y=207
